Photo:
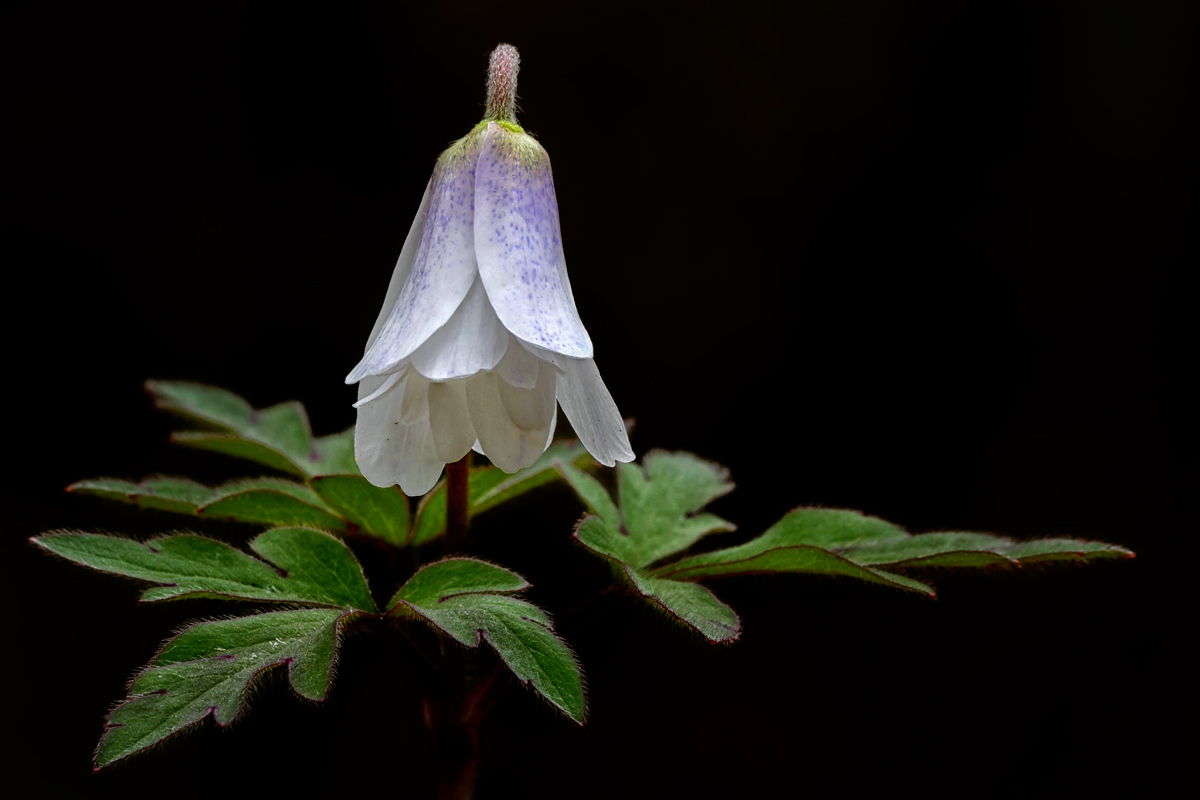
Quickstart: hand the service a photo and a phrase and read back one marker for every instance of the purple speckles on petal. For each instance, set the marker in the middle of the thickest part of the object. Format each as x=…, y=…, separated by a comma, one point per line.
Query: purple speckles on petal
x=444, y=266
x=518, y=245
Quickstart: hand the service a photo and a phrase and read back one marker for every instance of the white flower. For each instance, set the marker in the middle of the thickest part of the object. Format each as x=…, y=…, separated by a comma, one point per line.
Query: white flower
x=479, y=335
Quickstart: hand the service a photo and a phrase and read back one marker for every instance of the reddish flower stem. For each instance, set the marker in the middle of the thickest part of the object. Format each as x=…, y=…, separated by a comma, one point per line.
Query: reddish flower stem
x=451, y=719
x=458, y=476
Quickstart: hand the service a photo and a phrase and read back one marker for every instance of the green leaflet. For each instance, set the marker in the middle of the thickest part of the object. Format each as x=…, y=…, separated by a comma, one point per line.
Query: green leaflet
x=180, y=495
x=838, y=542
x=310, y=567
x=660, y=501
x=662, y=519
x=489, y=487
x=468, y=599
x=378, y=512
x=209, y=667
x=268, y=501
x=659, y=512
x=279, y=436
x=806, y=540
x=658, y=516
x=455, y=576
x=691, y=603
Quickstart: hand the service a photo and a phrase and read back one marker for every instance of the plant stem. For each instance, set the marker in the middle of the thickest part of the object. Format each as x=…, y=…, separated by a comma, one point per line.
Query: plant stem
x=457, y=477
x=452, y=719
x=455, y=749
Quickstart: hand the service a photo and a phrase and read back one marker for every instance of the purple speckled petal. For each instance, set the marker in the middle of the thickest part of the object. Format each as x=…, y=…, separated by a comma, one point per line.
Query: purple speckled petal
x=519, y=245
x=403, y=266
x=443, y=267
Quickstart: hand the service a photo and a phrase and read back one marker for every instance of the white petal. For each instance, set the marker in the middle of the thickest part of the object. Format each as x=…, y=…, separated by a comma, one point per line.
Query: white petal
x=519, y=367
x=519, y=244
x=553, y=425
x=592, y=412
x=472, y=340
x=390, y=450
x=403, y=266
x=414, y=403
x=386, y=386
x=450, y=420
x=512, y=424
x=531, y=409
x=443, y=267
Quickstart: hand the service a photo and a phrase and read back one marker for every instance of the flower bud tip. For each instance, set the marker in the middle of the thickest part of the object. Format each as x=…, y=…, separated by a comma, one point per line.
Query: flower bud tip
x=503, y=66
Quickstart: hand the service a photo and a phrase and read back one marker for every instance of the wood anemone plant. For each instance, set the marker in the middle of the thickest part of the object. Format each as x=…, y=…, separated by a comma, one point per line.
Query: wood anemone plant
x=477, y=345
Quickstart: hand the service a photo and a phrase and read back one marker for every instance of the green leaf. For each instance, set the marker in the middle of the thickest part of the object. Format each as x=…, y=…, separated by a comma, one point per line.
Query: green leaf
x=837, y=542
x=272, y=501
x=660, y=499
x=374, y=511
x=335, y=454
x=179, y=495
x=269, y=501
x=659, y=505
x=1040, y=550
x=691, y=604
x=797, y=544
x=595, y=497
x=933, y=550
x=541, y=472
x=310, y=567
x=208, y=669
x=279, y=436
x=469, y=600
x=659, y=515
x=455, y=576
x=231, y=445
x=488, y=487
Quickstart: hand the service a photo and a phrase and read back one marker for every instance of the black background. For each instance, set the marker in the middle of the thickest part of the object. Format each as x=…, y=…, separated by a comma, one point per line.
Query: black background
x=921, y=259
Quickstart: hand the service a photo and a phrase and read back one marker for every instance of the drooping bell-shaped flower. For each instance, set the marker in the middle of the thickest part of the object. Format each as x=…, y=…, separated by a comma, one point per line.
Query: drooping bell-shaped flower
x=479, y=336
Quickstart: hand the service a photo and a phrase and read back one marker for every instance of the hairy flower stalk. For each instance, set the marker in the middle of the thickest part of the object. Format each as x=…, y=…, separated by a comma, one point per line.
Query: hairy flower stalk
x=479, y=340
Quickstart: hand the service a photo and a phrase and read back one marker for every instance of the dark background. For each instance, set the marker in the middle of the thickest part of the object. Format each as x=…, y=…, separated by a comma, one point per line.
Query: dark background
x=922, y=259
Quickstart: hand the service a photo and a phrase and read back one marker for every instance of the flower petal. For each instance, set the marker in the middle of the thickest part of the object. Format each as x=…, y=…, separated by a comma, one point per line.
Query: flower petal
x=384, y=387
x=553, y=425
x=443, y=268
x=592, y=412
x=403, y=266
x=533, y=408
x=513, y=424
x=390, y=448
x=472, y=340
x=450, y=420
x=519, y=367
x=518, y=244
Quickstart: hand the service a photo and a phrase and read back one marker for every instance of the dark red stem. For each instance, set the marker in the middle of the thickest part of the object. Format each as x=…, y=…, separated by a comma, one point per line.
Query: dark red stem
x=458, y=476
